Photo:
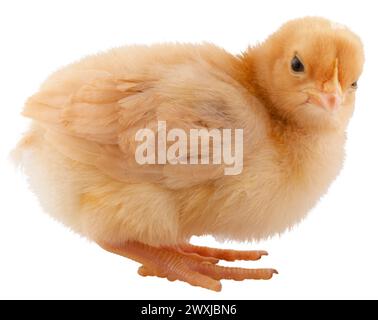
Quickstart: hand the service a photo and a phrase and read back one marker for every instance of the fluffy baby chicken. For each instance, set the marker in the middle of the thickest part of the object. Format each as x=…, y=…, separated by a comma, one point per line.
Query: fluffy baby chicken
x=292, y=95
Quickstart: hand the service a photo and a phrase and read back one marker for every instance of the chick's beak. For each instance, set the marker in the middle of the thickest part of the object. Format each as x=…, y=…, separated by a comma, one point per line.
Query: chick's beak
x=330, y=97
x=328, y=101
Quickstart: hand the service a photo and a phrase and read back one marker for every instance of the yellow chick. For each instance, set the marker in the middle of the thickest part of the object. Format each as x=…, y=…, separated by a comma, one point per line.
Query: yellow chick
x=292, y=96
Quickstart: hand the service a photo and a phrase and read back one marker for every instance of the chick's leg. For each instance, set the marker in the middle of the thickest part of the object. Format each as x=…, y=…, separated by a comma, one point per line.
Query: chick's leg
x=174, y=264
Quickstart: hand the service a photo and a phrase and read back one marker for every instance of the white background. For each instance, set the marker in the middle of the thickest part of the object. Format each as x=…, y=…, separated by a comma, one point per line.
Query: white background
x=332, y=254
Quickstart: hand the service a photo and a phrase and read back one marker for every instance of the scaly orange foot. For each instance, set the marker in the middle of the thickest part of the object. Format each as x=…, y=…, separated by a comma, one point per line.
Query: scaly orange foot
x=191, y=264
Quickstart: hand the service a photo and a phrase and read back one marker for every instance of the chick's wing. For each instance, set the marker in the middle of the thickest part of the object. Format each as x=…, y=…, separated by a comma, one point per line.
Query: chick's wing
x=92, y=116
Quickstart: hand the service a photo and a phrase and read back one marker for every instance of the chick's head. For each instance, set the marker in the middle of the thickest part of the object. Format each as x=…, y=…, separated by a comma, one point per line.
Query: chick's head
x=308, y=72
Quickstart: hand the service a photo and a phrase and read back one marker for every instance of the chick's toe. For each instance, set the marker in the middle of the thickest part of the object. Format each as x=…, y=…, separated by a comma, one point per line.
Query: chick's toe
x=224, y=254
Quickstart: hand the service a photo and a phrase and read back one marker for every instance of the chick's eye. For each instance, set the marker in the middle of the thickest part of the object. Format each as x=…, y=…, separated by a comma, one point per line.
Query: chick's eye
x=297, y=65
x=354, y=85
